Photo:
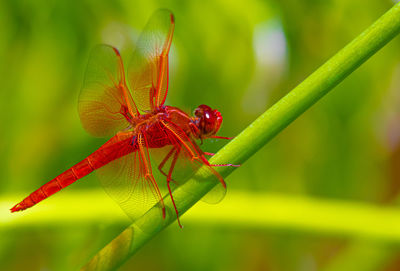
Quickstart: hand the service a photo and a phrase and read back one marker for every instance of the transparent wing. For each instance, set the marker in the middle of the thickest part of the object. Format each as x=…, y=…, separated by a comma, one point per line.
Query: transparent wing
x=105, y=103
x=126, y=181
x=148, y=68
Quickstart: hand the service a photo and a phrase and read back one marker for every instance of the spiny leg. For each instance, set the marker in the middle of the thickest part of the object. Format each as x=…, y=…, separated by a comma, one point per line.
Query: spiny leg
x=193, y=151
x=222, y=137
x=225, y=165
x=161, y=165
x=220, y=165
x=212, y=154
x=145, y=157
x=169, y=178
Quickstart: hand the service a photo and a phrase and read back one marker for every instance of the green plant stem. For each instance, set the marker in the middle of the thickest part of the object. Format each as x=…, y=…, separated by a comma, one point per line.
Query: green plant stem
x=256, y=135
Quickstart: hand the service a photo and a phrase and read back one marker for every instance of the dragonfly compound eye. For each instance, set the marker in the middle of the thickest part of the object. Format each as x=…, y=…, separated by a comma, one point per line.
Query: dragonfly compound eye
x=207, y=120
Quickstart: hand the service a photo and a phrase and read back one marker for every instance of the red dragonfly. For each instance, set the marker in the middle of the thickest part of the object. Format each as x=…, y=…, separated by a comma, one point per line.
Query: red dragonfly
x=143, y=128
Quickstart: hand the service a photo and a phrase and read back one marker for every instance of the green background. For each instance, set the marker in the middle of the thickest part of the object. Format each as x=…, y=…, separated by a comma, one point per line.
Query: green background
x=237, y=56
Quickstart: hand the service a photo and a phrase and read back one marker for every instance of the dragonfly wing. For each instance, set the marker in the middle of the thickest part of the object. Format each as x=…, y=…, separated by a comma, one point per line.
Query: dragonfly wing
x=105, y=104
x=148, y=68
x=127, y=182
x=215, y=195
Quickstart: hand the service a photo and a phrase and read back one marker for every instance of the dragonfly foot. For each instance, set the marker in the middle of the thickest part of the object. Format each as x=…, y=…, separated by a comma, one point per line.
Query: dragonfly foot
x=225, y=165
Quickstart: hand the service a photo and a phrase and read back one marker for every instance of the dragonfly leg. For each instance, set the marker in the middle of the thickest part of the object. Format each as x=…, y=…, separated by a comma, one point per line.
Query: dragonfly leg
x=169, y=179
x=222, y=137
x=145, y=157
x=161, y=165
x=194, y=153
x=194, y=129
x=220, y=165
x=225, y=165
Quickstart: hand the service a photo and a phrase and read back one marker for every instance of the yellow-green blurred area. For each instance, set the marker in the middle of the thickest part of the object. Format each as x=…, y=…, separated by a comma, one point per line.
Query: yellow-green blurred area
x=321, y=196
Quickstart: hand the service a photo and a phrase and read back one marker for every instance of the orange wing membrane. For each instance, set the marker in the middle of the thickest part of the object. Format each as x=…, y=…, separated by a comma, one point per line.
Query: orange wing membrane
x=105, y=103
x=148, y=68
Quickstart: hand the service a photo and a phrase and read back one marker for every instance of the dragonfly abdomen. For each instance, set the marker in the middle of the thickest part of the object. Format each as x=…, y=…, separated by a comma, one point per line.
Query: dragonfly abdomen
x=115, y=148
x=63, y=180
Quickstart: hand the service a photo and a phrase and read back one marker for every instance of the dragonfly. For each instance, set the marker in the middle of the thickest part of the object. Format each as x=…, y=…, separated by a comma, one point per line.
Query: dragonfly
x=128, y=106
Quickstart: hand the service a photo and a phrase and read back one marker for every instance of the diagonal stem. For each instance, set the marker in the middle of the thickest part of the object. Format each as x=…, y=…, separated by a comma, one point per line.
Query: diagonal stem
x=256, y=135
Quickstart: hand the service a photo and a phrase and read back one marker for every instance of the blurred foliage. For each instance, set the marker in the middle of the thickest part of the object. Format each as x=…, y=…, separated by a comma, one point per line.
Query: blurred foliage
x=237, y=56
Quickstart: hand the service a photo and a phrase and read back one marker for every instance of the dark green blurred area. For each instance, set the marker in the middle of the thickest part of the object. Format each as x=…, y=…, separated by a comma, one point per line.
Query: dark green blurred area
x=237, y=56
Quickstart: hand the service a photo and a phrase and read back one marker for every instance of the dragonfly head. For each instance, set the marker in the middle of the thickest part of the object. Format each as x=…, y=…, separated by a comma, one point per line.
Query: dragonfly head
x=207, y=121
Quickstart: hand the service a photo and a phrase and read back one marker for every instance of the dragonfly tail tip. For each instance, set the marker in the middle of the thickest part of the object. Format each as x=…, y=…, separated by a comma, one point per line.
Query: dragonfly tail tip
x=16, y=208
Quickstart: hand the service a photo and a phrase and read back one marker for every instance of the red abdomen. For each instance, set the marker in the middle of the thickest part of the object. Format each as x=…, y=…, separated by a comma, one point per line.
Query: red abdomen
x=116, y=147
